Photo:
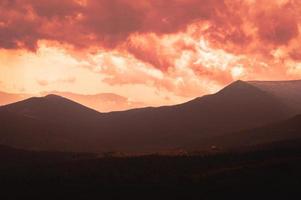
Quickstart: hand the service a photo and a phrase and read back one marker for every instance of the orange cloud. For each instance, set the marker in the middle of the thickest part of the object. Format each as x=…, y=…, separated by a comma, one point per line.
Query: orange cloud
x=186, y=47
x=43, y=82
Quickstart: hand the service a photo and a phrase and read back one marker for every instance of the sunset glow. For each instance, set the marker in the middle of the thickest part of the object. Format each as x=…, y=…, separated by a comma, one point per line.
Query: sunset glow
x=158, y=52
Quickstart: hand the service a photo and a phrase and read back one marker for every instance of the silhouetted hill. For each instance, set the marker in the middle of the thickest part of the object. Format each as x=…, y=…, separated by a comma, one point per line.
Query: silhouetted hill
x=56, y=123
x=238, y=106
x=48, y=123
x=51, y=108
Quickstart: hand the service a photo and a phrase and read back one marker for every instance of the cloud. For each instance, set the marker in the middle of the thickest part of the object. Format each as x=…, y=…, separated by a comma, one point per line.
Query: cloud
x=188, y=47
x=69, y=80
x=278, y=27
x=231, y=25
x=43, y=82
x=105, y=22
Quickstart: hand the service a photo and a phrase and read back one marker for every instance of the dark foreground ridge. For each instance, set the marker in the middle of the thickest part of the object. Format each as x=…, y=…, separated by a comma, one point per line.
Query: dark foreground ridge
x=271, y=171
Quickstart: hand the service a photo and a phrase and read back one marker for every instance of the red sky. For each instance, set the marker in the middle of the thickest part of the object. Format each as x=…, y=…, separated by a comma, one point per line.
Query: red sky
x=156, y=52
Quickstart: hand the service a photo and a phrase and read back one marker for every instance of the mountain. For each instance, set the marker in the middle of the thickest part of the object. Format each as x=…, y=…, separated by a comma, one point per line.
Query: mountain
x=102, y=102
x=58, y=124
x=47, y=123
x=238, y=106
x=52, y=108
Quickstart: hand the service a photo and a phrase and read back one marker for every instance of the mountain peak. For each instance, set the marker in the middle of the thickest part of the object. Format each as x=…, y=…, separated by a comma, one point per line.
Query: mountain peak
x=55, y=98
x=52, y=108
x=236, y=87
x=51, y=96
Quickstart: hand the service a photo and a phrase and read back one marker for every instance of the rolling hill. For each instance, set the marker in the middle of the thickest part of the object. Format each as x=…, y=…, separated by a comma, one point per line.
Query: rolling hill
x=58, y=124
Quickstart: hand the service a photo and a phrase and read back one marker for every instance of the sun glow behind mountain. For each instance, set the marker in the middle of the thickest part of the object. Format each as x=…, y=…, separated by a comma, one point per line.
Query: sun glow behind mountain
x=168, y=50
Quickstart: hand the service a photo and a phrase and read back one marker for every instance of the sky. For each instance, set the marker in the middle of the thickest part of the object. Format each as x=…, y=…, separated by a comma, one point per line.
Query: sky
x=156, y=52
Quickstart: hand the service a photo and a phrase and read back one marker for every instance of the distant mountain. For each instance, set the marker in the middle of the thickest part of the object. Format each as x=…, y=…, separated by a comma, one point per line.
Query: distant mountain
x=47, y=123
x=103, y=102
x=51, y=108
x=56, y=123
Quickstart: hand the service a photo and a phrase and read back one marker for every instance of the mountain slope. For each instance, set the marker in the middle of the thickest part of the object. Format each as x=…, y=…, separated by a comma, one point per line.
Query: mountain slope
x=48, y=123
x=52, y=108
x=289, y=92
x=236, y=107
x=56, y=123
x=32, y=133
x=286, y=131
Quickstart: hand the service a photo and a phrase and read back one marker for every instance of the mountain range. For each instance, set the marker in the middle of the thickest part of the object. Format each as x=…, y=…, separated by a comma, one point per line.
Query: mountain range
x=242, y=113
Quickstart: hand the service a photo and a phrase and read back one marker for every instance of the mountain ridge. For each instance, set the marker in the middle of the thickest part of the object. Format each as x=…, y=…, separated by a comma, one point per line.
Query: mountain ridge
x=64, y=124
